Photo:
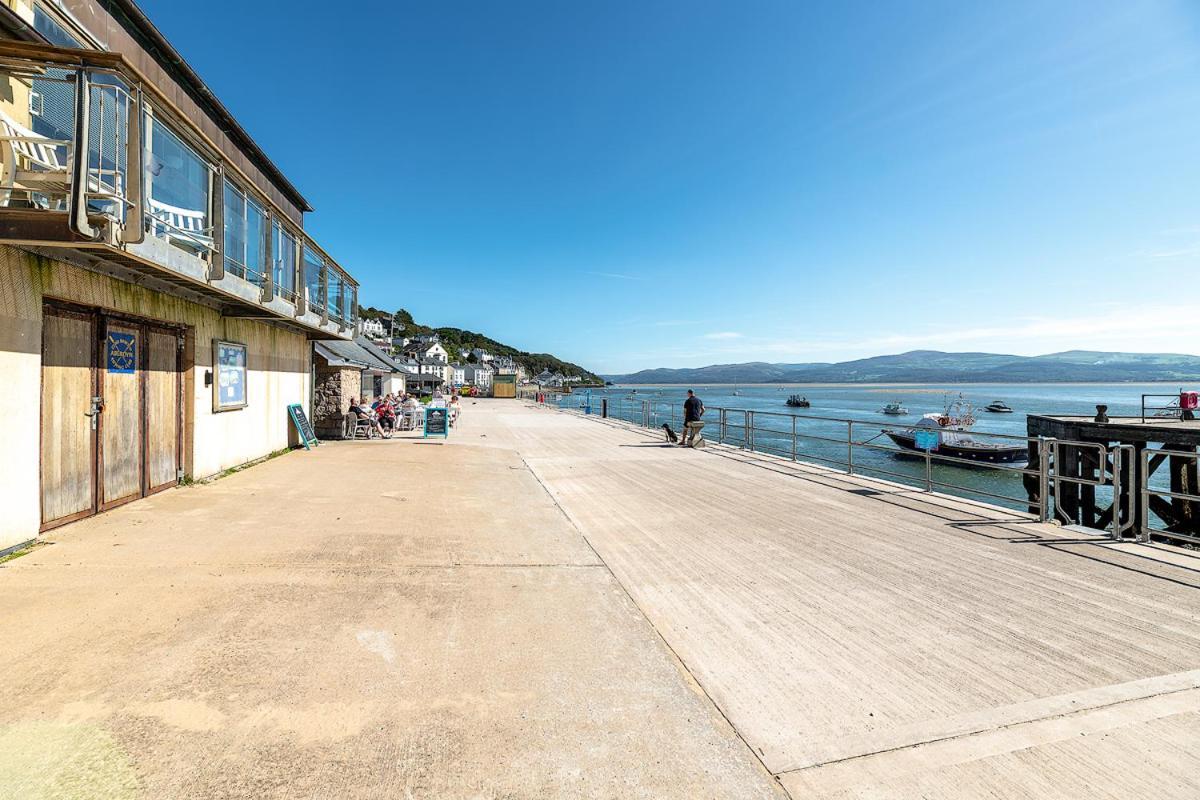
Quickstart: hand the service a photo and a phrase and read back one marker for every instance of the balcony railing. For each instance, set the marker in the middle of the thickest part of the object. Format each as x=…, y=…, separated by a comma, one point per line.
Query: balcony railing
x=92, y=155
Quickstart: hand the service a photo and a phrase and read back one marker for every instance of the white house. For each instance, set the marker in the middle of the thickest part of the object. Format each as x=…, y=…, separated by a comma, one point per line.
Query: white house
x=458, y=375
x=478, y=375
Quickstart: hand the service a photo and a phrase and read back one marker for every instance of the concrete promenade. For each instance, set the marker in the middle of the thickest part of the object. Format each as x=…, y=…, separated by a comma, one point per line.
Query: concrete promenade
x=551, y=606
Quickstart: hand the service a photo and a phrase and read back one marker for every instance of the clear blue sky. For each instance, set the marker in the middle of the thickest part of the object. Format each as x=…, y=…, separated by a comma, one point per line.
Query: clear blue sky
x=638, y=184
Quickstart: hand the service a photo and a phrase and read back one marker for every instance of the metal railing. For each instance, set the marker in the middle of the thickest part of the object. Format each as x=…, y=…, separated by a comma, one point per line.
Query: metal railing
x=1189, y=502
x=846, y=445
x=1172, y=410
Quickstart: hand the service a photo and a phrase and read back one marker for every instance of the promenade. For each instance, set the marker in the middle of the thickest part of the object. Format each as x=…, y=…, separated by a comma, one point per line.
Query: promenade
x=553, y=606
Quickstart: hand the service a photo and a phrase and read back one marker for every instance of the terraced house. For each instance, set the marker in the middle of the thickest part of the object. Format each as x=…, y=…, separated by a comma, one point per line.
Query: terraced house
x=158, y=293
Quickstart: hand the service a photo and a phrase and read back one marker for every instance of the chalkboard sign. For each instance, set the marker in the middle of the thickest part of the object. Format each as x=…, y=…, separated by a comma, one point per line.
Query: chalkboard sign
x=437, y=422
x=303, y=426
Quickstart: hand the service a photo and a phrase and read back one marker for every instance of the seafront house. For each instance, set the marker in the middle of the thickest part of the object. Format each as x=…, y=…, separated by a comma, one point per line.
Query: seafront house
x=479, y=375
x=159, y=297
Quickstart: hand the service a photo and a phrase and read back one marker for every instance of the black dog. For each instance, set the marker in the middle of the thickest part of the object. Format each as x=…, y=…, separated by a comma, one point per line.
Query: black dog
x=671, y=437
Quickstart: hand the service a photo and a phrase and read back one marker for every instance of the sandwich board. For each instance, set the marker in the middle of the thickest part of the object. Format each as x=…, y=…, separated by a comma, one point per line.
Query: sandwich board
x=303, y=426
x=437, y=422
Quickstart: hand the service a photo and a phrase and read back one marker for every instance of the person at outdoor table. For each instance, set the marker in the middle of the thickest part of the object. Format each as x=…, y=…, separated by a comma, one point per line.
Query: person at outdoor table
x=363, y=411
x=387, y=414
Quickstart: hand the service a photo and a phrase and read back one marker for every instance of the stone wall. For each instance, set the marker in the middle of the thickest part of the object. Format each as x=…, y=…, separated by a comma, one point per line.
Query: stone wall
x=334, y=390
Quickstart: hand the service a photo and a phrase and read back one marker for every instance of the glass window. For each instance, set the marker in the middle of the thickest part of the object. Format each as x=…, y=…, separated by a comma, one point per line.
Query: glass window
x=312, y=278
x=351, y=304
x=333, y=302
x=245, y=235
x=256, y=242
x=235, y=231
x=54, y=31
x=179, y=182
x=285, y=261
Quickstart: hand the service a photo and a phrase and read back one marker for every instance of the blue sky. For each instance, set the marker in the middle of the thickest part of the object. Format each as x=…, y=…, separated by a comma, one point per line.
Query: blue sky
x=641, y=184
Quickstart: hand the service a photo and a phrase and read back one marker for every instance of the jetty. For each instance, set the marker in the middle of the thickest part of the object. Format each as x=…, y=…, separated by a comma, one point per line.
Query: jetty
x=549, y=604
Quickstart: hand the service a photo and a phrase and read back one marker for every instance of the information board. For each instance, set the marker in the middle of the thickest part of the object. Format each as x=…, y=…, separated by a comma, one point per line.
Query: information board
x=229, y=389
x=926, y=440
x=437, y=422
x=303, y=426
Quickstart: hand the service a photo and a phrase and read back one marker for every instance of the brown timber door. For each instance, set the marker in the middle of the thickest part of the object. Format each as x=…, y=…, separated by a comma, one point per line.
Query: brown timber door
x=162, y=379
x=68, y=416
x=122, y=356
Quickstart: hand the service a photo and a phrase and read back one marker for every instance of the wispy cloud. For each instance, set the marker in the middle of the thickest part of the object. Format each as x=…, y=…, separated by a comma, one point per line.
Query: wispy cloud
x=617, y=276
x=723, y=335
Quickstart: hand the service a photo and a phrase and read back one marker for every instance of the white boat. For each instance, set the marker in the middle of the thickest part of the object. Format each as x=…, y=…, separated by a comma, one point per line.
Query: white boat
x=894, y=409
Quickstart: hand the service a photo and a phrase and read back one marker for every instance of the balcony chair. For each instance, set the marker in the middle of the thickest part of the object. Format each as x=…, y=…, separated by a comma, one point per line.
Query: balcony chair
x=181, y=225
x=34, y=164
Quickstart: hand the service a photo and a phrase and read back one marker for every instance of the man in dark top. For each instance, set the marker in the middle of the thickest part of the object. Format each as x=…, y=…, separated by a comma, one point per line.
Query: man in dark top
x=693, y=409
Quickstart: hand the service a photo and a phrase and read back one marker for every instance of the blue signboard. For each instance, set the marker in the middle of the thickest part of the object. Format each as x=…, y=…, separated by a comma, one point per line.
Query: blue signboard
x=926, y=440
x=120, y=352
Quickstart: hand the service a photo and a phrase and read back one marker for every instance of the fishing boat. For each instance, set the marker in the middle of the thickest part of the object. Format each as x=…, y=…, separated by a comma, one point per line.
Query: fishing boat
x=948, y=433
x=796, y=401
x=998, y=407
x=894, y=409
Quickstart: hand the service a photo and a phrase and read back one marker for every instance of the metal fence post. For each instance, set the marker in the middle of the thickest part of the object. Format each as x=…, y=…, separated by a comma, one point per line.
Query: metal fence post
x=721, y=426
x=1043, y=479
x=793, y=437
x=1143, y=535
x=850, y=446
x=1117, y=469
x=750, y=431
x=928, y=472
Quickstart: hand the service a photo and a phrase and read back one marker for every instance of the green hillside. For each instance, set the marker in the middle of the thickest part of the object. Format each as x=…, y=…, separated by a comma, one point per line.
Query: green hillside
x=455, y=340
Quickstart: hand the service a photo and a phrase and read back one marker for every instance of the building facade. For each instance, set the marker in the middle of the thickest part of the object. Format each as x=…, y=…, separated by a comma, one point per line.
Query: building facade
x=158, y=293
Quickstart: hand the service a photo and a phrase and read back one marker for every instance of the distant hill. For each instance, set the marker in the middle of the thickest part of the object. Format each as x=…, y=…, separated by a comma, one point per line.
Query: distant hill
x=933, y=366
x=455, y=340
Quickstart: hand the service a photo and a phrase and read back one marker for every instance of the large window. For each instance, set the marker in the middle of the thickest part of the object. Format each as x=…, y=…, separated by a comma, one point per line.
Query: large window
x=284, y=252
x=245, y=235
x=179, y=182
x=333, y=302
x=312, y=278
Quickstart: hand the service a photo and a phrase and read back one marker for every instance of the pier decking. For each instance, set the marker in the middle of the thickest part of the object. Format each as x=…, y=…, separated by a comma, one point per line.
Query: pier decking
x=554, y=606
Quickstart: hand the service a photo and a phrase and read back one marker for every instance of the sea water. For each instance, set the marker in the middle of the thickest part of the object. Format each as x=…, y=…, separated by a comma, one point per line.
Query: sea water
x=821, y=437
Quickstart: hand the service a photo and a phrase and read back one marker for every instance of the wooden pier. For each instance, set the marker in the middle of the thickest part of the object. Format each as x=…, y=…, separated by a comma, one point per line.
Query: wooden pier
x=1172, y=444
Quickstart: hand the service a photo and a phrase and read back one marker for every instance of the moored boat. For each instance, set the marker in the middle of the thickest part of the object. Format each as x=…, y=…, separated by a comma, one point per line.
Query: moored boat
x=894, y=409
x=998, y=407
x=796, y=401
x=948, y=434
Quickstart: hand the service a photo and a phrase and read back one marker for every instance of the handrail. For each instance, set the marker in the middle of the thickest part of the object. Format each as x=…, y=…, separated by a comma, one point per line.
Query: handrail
x=738, y=428
x=1147, y=492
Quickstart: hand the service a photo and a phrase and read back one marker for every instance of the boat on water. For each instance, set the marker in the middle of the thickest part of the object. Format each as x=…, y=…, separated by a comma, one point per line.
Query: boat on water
x=998, y=407
x=948, y=432
x=796, y=401
x=894, y=409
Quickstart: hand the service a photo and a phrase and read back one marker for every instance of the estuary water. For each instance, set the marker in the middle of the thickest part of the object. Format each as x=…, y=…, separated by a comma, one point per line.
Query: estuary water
x=823, y=441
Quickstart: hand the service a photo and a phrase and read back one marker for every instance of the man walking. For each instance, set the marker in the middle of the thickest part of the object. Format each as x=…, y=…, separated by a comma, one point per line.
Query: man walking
x=693, y=409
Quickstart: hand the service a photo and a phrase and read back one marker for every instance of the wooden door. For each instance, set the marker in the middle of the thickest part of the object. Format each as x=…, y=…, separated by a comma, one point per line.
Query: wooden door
x=68, y=423
x=162, y=389
x=122, y=355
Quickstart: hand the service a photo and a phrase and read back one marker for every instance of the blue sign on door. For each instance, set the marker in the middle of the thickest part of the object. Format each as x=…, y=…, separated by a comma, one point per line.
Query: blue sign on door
x=120, y=352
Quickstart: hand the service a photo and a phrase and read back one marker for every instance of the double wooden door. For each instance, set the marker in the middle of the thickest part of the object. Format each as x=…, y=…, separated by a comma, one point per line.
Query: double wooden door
x=111, y=412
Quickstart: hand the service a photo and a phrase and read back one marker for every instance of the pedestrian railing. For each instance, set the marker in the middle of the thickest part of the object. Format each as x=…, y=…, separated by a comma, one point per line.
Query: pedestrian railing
x=1169, y=511
x=1048, y=485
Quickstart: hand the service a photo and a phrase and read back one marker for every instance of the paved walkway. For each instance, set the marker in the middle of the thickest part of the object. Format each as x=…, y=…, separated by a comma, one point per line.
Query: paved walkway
x=409, y=619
